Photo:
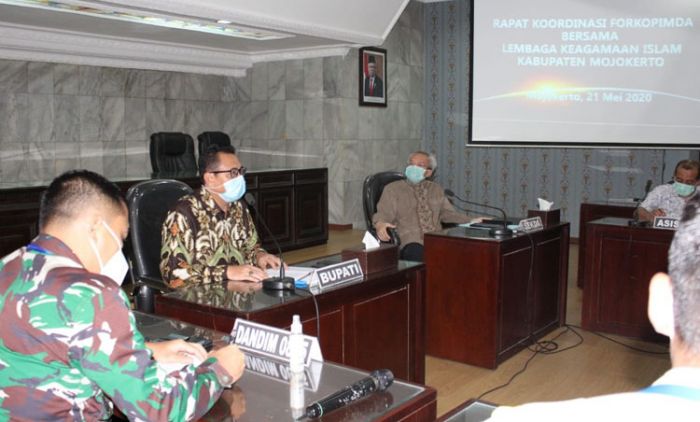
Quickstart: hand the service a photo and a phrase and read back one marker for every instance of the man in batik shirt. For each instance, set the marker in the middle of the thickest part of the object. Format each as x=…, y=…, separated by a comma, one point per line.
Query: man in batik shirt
x=210, y=236
x=69, y=345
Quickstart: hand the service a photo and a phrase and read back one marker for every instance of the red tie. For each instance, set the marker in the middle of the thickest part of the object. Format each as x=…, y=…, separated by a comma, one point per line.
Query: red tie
x=371, y=86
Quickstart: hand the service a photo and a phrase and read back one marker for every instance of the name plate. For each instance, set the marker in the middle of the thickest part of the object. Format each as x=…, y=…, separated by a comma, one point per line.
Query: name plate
x=271, y=341
x=666, y=223
x=530, y=224
x=279, y=371
x=340, y=273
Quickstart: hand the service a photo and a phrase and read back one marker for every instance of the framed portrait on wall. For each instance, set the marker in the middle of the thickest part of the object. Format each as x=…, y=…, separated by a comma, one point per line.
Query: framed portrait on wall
x=372, y=78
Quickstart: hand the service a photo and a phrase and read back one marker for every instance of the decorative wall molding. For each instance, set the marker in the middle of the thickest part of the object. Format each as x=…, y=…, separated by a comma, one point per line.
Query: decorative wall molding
x=275, y=23
x=20, y=42
x=307, y=53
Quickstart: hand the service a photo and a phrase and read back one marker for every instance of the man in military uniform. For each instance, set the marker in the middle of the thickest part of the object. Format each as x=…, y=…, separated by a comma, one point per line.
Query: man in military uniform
x=69, y=346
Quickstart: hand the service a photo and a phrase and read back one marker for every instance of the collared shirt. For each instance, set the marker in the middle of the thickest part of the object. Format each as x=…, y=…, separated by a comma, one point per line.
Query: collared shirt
x=633, y=406
x=665, y=198
x=69, y=347
x=399, y=205
x=200, y=240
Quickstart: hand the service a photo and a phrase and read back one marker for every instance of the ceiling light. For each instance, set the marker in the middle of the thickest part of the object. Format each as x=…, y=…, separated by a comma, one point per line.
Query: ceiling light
x=95, y=9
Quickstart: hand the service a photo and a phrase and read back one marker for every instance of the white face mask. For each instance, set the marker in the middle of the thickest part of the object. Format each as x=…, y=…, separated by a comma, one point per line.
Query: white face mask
x=116, y=267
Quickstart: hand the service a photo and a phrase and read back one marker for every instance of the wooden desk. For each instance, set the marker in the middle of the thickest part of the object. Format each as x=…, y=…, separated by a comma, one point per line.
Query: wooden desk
x=471, y=410
x=620, y=260
x=256, y=397
x=375, y=323
x=482, y=306
x=592, y=211
x=294, y=204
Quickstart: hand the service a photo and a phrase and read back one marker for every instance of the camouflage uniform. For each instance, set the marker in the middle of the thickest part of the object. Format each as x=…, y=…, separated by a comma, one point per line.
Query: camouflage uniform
x=200, y=240
x=69, y=347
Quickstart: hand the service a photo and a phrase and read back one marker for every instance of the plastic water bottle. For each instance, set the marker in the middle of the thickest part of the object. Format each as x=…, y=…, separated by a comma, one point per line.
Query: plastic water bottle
x=296, y=365
x=296, y=346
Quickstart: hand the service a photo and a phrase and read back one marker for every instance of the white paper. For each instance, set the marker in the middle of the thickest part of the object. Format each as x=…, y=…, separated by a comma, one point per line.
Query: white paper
x=370, y=241
x=298, y=273
x=544, y=205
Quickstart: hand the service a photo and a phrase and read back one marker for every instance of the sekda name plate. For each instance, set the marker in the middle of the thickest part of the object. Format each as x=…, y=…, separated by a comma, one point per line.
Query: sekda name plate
x=666, y=223
x=271, y=341
x=530, y=224
x=340, y=273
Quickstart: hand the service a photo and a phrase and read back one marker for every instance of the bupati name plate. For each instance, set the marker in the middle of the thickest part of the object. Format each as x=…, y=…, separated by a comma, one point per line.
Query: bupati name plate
x=340, y=273
x=666, y=223
x=271, y=341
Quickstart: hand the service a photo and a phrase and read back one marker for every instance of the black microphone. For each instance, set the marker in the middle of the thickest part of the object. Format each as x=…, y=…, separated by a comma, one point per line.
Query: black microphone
x=495, y=232
x=272, y=283
x=378, y=380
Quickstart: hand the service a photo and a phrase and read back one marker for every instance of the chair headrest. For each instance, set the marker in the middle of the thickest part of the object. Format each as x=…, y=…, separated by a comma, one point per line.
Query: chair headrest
x=175, y=145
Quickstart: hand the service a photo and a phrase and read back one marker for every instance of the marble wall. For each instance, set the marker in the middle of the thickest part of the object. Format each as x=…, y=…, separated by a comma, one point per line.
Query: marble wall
x=305, y=113
x=295, y=113
x=508, y=177
x=55, y=117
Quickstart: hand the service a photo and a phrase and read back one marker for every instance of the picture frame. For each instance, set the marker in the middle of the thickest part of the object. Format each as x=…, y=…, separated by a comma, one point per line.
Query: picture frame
x=372, y=77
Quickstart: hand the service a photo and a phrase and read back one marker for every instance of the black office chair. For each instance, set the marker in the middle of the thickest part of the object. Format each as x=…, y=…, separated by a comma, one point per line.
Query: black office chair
x=172, y=154
x=371, y=192
x=149, y=203
x=206, y=139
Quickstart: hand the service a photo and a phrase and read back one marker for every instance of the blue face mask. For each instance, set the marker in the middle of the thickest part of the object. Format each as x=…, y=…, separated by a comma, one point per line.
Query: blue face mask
x=682, y=189
x=234, y=189
x=415, y=174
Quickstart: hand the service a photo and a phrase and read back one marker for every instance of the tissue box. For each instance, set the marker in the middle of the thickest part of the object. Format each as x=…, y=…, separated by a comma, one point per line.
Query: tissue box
x=385, y=257
x=549, y=218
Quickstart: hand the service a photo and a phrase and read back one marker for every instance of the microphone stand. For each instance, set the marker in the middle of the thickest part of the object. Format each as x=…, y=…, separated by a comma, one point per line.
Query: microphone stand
x=636, y=222
x=273, y=283
x=494, y=232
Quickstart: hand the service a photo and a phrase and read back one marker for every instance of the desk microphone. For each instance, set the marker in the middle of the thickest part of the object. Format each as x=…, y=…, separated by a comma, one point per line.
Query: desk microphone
x=495, y=232
x=378, y=380
x=635, y=222
x=272, y=283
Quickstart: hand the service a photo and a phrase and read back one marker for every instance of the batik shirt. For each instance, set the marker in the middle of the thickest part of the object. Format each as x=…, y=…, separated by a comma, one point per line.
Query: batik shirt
x=416, y=209
x=200, y=240
x=69, y=347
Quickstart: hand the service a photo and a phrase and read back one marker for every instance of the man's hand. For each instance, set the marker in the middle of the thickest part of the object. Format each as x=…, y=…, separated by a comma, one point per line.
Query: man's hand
x=645, y=215
x=381, y=230
x=232, y=360
x=245, y=273
x=177, y=351
x=266, y=260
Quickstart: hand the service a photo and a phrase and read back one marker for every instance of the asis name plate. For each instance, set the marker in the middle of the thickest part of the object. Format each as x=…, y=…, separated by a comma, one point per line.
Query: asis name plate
x=666, y=223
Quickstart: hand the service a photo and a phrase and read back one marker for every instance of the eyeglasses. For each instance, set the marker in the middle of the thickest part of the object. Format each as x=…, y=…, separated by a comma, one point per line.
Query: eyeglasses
x=234, y=172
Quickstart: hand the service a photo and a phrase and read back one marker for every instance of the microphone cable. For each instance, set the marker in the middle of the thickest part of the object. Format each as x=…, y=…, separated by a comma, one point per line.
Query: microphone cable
x=318, y=318
x=550, y=347
x=545, y=347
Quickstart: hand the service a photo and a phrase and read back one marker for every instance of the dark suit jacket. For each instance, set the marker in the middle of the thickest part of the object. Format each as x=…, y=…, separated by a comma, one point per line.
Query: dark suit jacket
x=378, y=87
